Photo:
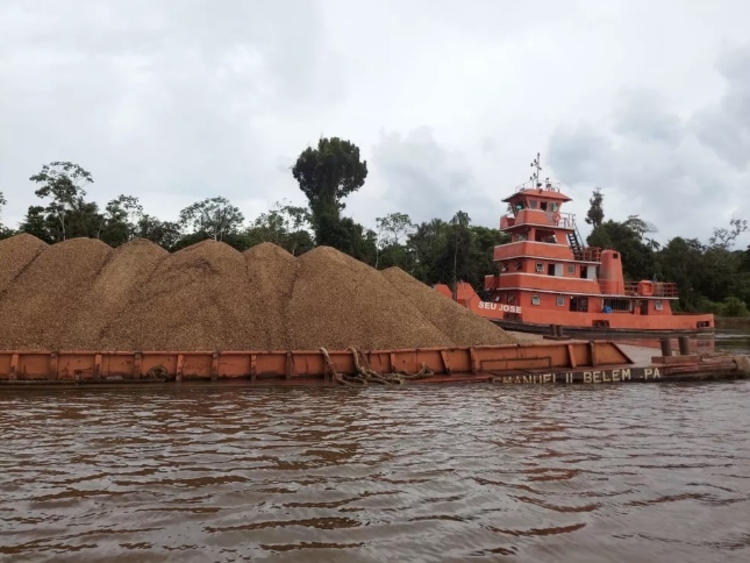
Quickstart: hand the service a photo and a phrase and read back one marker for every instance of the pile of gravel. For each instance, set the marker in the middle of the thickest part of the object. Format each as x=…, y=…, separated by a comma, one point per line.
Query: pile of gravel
x=39, y=304
x=81, y=294
x=195, y=299
x=339, y=302
x=128, y=267
x=457, y=322
x=16, y=253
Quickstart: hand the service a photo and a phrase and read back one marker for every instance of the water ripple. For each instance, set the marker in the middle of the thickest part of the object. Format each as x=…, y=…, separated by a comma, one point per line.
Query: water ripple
x=628, y=473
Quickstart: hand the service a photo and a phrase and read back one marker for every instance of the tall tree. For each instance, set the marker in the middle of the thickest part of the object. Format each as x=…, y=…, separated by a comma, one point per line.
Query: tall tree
x=393, y=230
x=595, y=215
x=62, y=184
x=121, y=218
x=725, y=237
x=326, y=175
x=216, y=217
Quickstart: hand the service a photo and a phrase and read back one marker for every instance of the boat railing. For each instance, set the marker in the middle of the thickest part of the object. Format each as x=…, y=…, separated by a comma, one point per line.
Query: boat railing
x=532, y=185
x=592, y=254
x=563, y=220
x=651, y=289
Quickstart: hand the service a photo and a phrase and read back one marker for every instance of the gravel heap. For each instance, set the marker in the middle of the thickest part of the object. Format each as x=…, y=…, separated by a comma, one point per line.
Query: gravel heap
x=16, y=253
x=339, y=302
x=457, y=322
x=37, y=307
x=271, y=272
x=81, y=294
x=111, y=293
x=195, y=299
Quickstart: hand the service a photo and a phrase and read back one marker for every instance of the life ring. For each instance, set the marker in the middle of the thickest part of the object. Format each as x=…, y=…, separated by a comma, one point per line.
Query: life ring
x=556, y=218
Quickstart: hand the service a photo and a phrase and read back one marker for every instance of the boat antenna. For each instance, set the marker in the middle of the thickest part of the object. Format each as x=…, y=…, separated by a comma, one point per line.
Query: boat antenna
x=535, y=164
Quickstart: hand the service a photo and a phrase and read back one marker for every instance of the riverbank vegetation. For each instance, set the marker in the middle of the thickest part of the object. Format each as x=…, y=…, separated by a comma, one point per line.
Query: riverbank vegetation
x=711, y=276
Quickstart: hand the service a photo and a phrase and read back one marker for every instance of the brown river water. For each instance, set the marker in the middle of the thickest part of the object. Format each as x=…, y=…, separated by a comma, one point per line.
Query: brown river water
x=649, y=472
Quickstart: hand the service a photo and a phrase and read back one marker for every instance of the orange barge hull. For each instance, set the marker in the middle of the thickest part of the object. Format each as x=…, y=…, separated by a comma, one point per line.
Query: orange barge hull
x=546, y=362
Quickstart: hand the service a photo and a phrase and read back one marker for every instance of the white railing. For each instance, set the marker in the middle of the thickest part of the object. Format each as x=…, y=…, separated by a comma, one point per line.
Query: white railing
x=563, y=220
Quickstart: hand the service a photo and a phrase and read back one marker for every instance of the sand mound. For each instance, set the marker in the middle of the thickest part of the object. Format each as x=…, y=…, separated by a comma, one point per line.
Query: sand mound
x=458, y=323
x=196, y=299
x=43, y=299
x=338, y=302
x=129, y=266
x=271, y=272
x=16, y=253
x=81, y=294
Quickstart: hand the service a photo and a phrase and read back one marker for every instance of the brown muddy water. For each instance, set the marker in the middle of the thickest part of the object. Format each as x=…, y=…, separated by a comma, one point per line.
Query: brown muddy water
x=651, y=472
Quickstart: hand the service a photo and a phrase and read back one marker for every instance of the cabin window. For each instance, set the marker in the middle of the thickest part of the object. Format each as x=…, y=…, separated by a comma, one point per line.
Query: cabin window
x=553, y=207
x=550, y=269
x=658, y=306
x=560, y=301
x=539, y=267
x=518, y=265
x=532, y=204
x=535, y=300
x=617, y=304
x=584, y=272
x=572, y=269
x=579, y=304
x=615, y=255
x=543, y=206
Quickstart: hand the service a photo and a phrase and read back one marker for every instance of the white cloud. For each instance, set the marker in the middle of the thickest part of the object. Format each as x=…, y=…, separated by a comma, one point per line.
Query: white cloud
x=178, y=100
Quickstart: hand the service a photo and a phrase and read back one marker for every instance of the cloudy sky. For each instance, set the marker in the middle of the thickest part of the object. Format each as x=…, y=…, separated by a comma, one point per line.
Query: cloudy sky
x=177, y=100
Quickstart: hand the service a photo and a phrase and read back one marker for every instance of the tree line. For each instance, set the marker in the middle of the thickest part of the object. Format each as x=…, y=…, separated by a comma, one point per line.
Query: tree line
x=710, y=277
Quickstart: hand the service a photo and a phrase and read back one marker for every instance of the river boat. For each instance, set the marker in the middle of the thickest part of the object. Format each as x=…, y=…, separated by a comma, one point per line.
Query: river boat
x=548, y=281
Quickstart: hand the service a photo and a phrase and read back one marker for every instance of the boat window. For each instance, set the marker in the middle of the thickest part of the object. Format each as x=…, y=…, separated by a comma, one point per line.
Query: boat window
x=553, y=207
x=571, y=268
x=561, y=301
x=550, y=269
x=584, y=272
x=658, y=306
x=532, y=203
x=518, y=265
x=535, y=300
x=543, y=206
x=539, y=267
x=618, y=304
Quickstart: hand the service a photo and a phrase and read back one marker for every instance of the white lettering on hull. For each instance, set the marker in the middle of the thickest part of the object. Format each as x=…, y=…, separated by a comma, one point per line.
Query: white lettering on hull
x=489, y=306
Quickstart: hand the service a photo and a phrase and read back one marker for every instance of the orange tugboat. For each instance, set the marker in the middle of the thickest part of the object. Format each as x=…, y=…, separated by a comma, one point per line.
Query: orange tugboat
x=547, y=278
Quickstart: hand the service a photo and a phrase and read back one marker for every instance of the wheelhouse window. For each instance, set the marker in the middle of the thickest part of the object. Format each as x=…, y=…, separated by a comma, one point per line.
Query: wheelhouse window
x=535, y=300
x=560, y=301
x=533, y=203
x=572, y=269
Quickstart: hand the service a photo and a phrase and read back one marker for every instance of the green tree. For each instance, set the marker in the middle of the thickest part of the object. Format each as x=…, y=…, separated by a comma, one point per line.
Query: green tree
x=725, y=237
x=5, y=232
x=393, y=230
x=326, y=175
x=166, y=234
x=121, y=219
x=285, y=225
x=62, y=185
x=595, y=214
x=216, y=217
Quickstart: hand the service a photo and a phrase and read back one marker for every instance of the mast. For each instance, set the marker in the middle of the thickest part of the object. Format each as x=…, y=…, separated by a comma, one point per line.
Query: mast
x=536, y=165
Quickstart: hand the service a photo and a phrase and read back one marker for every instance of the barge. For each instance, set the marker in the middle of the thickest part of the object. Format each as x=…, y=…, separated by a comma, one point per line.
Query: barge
x=531, y=363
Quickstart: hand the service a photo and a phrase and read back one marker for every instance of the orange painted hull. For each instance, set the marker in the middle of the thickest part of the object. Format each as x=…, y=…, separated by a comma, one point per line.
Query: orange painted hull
x=538, y=320
x=297, y=366
x=572, y=362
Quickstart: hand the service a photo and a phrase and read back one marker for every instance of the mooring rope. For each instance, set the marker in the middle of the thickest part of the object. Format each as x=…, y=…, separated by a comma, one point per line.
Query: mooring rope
x=365, y=374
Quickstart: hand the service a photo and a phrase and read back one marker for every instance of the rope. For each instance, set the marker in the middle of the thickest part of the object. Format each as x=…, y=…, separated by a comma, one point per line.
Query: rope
x=365, y=374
